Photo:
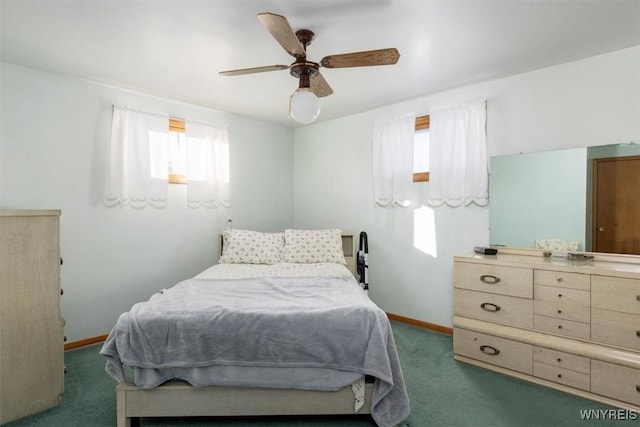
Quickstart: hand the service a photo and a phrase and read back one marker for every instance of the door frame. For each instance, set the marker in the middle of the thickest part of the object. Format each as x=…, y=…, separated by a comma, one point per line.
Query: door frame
x=594, y=192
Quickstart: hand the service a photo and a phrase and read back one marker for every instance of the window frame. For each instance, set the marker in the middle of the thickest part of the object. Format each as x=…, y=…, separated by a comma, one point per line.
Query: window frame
x=422, y=123
x=176, y=125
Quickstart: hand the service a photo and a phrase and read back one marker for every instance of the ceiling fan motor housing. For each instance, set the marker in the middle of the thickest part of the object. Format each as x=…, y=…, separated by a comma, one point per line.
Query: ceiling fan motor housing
x=303, y=69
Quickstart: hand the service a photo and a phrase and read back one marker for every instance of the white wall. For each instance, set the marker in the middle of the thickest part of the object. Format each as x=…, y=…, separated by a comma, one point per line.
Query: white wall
x=584, y=103
x=54, y=134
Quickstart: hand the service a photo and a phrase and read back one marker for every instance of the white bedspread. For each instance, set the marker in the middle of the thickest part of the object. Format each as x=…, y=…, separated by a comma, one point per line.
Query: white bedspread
x=295, y=322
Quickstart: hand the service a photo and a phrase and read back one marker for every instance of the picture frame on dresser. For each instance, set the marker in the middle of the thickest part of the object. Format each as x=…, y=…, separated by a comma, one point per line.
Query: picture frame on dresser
x=570, y=325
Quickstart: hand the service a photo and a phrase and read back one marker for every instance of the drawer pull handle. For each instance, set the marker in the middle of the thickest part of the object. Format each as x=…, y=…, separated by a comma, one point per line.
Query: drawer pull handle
x=559, y=311
x=491, y=351
x=638, y=333
x=559, y=360
x=487, y=306
x=488, y=278
x=638, y=297
x=638, y=388
x=559, y=375
x=559, y=279
x=559, y=295
x=559, y=326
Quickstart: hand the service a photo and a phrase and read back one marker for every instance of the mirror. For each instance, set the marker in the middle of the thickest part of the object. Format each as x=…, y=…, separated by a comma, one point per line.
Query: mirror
x=550, y=195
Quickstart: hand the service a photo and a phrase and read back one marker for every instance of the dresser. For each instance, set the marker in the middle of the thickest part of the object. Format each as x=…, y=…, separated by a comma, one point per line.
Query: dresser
x=572, y=325
x=31, y=335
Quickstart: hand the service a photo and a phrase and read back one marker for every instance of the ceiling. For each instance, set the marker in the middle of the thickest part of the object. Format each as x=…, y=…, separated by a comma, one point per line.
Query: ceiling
x=175, y=48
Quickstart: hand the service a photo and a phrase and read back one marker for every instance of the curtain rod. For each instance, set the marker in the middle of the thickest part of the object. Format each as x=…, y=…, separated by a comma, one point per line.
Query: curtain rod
x=137, y=110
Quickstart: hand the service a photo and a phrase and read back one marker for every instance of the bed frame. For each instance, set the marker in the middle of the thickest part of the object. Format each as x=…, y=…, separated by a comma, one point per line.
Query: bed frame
x=180, y=399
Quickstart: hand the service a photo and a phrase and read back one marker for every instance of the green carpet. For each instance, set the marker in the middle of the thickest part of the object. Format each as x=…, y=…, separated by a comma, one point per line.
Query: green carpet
x=443, y=392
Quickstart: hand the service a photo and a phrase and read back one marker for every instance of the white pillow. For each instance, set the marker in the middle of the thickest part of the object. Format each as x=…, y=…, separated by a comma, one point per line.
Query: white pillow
x=251, y=247
x=309, y=246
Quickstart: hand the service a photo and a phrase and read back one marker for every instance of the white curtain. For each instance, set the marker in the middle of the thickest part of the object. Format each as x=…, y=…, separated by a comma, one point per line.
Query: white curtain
x=393, y=140
x=139, y=161
x=207, y=165
x=458, y=172
x=135, y=178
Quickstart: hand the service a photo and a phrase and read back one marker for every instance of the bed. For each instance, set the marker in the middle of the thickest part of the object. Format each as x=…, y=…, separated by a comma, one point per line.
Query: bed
x=278, y=327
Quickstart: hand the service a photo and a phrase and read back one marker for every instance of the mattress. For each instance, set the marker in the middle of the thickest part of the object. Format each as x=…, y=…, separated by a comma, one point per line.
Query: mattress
x=285, y=325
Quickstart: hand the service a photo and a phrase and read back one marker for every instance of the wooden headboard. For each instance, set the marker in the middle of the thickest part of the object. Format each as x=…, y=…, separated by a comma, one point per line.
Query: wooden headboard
x=348, y=249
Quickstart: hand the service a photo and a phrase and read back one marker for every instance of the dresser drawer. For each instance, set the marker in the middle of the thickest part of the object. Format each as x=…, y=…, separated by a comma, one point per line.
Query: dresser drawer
x=560, y=310
x=494, y=308
x=562, y=279
x=562, y=359
x=509, y=354
x=615, y=381
x=562, y=327
x=561, y=375
x=497, y=279
x=615, y=293
x=570, y=296
x=615, y=328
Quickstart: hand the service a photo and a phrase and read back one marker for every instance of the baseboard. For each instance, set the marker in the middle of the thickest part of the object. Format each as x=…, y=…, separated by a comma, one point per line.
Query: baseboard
x=426, y=325
x=85, y=342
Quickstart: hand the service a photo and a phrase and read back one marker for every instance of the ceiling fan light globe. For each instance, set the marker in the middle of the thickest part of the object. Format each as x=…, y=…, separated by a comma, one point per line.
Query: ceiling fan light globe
x=304, y=106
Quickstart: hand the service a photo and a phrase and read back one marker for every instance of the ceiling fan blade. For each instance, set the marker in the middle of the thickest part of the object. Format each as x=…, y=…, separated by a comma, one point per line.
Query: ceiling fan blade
x=319, y=86
x=362, y=59
x=280, y=29
x=253, y=70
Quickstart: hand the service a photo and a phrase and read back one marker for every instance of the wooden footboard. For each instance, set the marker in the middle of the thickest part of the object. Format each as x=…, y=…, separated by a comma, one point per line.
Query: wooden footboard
x=179, y=399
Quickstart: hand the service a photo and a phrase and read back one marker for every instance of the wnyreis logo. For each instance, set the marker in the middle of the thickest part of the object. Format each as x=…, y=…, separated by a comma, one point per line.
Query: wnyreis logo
x=608, y=414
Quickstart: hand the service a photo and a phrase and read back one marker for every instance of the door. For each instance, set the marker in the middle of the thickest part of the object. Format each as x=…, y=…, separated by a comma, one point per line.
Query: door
x=616, y=205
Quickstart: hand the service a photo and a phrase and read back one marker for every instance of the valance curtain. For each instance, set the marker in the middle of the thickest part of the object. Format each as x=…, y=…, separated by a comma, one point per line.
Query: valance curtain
x=139, y=161
x=393, y=140
x=458, y=172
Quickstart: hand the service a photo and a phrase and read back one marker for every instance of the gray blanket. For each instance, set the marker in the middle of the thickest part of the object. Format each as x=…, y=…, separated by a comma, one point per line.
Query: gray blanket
x=290, y=323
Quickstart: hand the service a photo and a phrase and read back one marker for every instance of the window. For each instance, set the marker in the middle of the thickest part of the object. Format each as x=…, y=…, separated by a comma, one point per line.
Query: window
x=177, y=152
x=421, y=150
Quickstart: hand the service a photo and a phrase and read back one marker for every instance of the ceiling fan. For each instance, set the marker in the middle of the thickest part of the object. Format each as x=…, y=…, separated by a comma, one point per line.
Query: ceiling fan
x=303, y=106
